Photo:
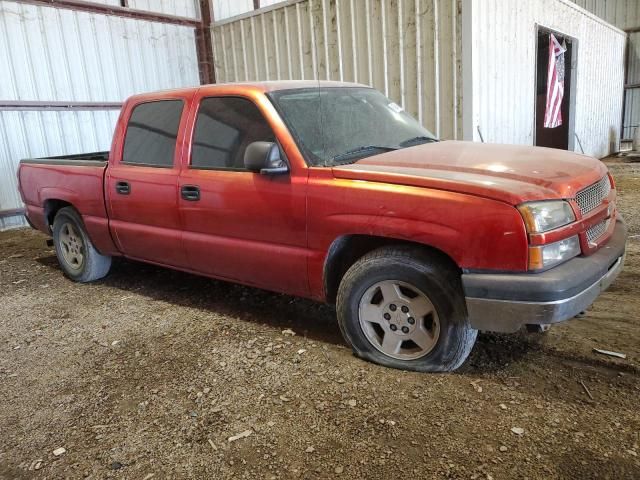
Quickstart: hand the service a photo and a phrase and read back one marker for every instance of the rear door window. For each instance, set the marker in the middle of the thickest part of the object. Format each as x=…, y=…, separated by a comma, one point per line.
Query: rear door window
x=151, y=133
x=225, y=126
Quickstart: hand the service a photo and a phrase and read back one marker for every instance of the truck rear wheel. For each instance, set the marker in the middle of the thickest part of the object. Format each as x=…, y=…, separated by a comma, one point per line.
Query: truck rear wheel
x=77, y=256
x=402, y=308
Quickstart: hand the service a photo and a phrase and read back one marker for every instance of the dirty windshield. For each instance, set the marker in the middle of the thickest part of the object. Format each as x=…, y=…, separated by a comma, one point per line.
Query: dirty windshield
x=341, y=125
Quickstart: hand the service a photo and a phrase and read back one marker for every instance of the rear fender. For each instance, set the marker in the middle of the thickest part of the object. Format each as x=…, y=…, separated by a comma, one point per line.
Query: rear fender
x=97, y=226
x=61, y=194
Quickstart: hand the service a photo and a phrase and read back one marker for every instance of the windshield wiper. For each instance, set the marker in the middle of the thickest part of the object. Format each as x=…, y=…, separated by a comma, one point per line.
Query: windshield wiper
x=348, y=155
x=417, y=140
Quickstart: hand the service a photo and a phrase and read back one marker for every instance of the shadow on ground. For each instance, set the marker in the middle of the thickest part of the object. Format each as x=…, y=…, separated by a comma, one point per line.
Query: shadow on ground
x=492, y=352
x=314, y=320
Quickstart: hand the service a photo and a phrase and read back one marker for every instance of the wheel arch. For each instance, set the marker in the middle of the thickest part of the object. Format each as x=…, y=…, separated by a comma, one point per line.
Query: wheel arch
x=345, y=250
x=51, y=208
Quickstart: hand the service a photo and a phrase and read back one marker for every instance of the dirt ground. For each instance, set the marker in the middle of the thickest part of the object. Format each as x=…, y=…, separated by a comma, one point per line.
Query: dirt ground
x=148, y=373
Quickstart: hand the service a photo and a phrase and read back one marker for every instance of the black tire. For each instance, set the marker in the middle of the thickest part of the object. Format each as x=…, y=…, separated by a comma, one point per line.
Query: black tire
x=88, y=264
x=435, y=279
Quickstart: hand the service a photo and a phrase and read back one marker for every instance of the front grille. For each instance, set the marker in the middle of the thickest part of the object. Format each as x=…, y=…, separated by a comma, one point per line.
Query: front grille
x=592, y=196
x=595, y=232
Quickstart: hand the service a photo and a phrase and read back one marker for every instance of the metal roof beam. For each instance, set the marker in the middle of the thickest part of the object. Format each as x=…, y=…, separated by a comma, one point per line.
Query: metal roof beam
x=80, y=5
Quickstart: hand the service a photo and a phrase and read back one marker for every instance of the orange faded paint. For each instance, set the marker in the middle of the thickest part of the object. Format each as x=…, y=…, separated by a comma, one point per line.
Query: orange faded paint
x=275, y=232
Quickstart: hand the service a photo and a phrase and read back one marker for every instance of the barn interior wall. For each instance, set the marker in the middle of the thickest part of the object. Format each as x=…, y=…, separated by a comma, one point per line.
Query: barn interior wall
x=53, y=54
x=504, y=72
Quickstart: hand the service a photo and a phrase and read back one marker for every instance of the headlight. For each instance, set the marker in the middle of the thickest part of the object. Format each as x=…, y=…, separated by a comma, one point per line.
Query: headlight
x=543, y=216
x=549, y=255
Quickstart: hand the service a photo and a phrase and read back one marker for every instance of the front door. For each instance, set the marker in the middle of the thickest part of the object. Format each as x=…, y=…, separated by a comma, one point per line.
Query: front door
x=142, y=185
x=241, y=225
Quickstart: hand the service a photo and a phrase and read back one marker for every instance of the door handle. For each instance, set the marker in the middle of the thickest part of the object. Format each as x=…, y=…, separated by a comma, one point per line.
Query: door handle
x=123, y=188
x=190, y=193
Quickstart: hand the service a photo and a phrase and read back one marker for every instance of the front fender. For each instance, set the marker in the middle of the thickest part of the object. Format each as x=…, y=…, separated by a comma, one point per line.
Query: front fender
x=442, y=237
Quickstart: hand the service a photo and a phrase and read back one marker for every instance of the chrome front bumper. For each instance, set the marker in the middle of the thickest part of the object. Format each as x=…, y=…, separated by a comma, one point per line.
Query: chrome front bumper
x=506, y=302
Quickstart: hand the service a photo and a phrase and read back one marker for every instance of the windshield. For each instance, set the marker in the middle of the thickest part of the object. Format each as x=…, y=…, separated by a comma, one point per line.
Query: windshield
x=339, y=125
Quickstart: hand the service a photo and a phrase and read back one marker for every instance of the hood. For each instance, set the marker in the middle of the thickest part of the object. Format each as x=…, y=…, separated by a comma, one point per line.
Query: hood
x=508, y=173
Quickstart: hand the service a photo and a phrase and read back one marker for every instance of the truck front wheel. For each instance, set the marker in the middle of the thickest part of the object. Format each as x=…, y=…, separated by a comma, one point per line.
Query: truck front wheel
x=77, y=256
x=402, y=308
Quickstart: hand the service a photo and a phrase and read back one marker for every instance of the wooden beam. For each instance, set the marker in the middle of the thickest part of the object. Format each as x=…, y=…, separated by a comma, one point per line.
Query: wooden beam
x=204, y=44
x=12, y=212
x=82, y=6
x=256, y=4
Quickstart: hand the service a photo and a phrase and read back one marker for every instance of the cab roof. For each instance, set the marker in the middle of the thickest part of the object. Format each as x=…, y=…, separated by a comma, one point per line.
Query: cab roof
x=265, y=87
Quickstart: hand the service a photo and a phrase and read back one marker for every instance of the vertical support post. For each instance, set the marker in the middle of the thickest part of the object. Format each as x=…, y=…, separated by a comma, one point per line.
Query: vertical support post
x=256, y=4
x=627, y=51
x=468, y=59
x=204, y=44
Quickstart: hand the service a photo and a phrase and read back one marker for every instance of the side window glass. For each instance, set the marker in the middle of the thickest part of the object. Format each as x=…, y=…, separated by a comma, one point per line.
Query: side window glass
x=152, y=132
x=225, y=126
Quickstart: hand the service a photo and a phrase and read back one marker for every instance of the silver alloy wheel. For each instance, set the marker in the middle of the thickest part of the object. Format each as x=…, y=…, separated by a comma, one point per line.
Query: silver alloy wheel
x=71, y=246
x=399, y=320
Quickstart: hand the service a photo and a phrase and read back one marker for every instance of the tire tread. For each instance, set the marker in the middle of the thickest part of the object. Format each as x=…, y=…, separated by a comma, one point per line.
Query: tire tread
x=96, y=266
x=427, y=264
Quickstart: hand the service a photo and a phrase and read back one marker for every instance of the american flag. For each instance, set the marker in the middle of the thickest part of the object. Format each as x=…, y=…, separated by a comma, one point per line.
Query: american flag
x=555, y=83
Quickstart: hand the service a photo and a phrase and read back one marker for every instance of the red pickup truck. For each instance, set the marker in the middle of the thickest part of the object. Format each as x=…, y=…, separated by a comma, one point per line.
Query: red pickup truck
x=333, y=192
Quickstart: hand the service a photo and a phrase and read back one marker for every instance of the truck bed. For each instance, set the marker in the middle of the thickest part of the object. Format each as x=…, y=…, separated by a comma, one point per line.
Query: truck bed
x=48, y=184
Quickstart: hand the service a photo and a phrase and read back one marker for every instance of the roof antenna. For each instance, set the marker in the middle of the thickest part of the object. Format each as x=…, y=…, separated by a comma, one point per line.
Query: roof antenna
x=579, y=142
x=480, y=133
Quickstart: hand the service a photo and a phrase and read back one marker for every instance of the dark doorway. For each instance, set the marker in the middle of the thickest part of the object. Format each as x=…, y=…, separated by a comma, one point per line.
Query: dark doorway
x=562, y=136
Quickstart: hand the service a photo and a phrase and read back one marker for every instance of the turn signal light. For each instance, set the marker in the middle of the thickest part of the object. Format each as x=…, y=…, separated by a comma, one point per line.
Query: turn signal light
x=535, y=258
x=546, y=256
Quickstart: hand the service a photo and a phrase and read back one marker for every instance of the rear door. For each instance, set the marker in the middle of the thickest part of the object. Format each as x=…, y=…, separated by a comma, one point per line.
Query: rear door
x=241, y=225
x=142, y=183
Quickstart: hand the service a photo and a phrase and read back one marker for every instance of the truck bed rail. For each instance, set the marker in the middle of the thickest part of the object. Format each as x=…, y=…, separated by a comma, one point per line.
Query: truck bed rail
x=87, y=159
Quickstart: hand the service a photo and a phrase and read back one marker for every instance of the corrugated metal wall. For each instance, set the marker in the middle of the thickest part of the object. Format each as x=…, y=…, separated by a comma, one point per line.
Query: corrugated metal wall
x=504, y=60
x=51, y=54
x=409, y=49
x=624, y=14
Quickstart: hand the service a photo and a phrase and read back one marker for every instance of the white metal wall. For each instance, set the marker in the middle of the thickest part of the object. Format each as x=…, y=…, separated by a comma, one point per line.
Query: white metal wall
x=409, y=49
x=223, y=9
x=51, y=54
x=503, y=71
x=180, y=8
x=113, y=3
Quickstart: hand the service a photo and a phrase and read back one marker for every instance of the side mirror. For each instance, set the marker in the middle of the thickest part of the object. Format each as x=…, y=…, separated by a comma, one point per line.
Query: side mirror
x=265, y=158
